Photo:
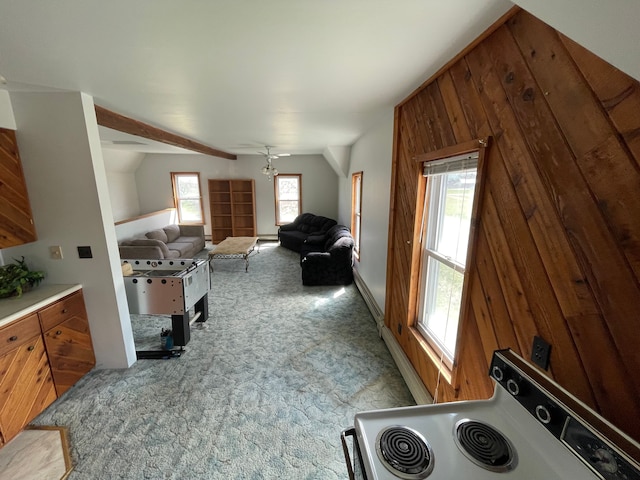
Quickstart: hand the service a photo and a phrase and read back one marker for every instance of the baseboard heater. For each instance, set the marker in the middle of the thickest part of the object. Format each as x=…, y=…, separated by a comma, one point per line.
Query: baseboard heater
x=414, y=383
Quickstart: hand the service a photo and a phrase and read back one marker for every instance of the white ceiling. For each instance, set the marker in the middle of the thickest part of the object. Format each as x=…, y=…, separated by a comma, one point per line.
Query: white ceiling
x=298, y=74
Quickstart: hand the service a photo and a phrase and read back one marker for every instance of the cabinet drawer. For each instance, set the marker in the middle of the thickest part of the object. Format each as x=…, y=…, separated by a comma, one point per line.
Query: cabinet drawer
x=18, y=333
x=68, y=307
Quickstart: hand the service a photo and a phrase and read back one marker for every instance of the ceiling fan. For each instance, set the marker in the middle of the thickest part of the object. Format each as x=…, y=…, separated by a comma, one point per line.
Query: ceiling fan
x=269, y=170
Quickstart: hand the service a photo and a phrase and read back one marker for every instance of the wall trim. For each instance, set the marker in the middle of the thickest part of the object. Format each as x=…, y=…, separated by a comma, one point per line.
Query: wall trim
x=419, y=392
x=376, y=311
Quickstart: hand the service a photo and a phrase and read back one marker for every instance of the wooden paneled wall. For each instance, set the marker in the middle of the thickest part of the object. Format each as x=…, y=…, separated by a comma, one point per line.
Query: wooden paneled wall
x=16, y=220
x=558, y=232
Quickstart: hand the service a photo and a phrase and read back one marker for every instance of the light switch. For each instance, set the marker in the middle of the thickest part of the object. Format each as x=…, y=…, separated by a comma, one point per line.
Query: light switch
x=85, y=252
x=55, y=252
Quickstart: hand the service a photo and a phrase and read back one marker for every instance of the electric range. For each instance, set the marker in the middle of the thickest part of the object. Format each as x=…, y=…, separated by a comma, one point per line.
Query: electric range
x=530, y=428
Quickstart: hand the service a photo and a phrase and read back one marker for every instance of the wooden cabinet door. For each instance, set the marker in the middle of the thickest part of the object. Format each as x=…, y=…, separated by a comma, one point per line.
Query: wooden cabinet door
x=68, y=340
x=16, y=221
x=70, y=352
x=26, y=386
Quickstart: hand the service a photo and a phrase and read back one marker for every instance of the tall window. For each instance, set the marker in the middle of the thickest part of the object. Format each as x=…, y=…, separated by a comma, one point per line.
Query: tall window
x=288, y=197
x=187, y=197
x=356, y=210
x=451, y=185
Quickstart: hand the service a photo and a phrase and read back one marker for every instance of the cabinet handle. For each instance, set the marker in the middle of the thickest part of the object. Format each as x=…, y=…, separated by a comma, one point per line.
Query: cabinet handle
x=59, y=332
x=31, y=347
x=13, y=339
x=64, y=310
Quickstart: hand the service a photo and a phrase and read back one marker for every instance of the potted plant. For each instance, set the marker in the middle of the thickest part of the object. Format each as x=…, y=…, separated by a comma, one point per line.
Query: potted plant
x=16, y=278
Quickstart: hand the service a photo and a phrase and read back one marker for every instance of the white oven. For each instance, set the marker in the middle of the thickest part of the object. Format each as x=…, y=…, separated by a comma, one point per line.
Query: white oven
x=531, y=428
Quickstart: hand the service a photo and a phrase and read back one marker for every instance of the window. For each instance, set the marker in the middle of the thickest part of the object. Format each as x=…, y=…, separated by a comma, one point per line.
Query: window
x=450, y=190
x=186, y=197
x=356, y=211
x=288, y=197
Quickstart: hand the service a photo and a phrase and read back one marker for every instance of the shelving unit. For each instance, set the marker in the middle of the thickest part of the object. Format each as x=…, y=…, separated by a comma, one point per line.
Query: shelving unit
x=233, y=209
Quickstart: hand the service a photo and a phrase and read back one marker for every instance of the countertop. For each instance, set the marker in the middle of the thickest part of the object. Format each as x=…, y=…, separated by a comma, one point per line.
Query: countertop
x=13, y=308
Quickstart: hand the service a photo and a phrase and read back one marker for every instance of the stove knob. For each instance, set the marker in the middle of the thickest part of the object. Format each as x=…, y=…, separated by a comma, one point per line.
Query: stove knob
x=512, y=387
x=543, y=414
x=497, y=373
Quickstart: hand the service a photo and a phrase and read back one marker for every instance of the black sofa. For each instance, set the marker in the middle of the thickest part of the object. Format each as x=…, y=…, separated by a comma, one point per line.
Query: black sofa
x=328, y=261
x=293, y=235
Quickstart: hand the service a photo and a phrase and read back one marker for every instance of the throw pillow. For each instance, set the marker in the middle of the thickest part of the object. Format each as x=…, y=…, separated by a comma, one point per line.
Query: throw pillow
x=157, y=235
x=173, y=232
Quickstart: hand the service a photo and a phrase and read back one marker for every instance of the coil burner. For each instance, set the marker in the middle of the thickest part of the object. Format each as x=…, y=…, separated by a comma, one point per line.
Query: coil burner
x=484, y=445
x=405, y=453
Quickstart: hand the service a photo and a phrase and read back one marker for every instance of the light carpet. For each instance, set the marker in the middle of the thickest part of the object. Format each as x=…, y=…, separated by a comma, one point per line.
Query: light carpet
x=262, y=392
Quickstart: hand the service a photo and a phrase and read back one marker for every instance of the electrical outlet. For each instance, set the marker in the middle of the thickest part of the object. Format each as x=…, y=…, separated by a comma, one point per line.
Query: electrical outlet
x=55, y=252
x=540, y=352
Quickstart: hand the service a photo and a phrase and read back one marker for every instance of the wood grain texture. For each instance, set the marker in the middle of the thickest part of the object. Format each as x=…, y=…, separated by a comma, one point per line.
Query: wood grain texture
x=232, y=204
x=65, y=327
x=26, y=385
x=70, y=352
x=116, y=121
x=16, y=219
x=558, y=241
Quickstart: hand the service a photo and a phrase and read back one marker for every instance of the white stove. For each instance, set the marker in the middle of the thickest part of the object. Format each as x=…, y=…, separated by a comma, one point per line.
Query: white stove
x=531, y=428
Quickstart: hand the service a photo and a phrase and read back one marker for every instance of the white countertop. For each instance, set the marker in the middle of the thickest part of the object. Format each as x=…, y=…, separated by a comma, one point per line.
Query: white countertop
x=13, y=308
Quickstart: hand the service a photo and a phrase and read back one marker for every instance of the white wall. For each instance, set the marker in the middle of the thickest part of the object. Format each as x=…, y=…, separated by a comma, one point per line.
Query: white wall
x=139, y=226
x=121, y=166
x=60, y=149
x=372, y=155
x=319, y=183
x=6, y=111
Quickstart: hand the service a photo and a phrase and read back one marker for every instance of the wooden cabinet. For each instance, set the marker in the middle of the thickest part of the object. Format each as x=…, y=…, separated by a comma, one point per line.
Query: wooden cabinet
x=41, y=356
x=68, y=342
x=16, y=220
x=233, y=209
x=26, y=384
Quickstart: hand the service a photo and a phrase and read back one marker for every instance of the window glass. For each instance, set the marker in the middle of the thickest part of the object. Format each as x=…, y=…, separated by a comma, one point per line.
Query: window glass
x=288, y=197
x=446, y=232
x=187, y=197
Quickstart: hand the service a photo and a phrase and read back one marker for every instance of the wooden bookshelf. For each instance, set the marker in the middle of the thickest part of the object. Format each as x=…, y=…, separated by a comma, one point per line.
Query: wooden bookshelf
x=233, y=208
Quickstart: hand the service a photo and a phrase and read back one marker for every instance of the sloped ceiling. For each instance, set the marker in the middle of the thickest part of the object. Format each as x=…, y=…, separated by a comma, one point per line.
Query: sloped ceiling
x=300, y=75
x=236, y=75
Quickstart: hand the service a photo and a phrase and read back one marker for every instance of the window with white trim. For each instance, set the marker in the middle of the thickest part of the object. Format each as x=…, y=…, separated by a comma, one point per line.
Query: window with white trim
x=288, y=192
x=187, y=197
x=451, y=185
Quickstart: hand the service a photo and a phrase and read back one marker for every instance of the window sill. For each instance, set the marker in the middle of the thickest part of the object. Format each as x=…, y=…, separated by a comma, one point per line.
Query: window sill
x=446, y=373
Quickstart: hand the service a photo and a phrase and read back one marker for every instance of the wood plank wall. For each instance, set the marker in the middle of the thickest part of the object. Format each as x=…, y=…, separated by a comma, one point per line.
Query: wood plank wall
x=558, y=232
x=16, y=219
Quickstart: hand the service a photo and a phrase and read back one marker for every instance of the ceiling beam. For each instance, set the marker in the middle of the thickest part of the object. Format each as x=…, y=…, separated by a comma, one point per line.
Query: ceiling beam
x=114, y=120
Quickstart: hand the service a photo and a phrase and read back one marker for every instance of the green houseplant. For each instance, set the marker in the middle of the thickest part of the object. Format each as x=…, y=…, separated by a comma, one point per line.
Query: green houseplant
x=16, y=278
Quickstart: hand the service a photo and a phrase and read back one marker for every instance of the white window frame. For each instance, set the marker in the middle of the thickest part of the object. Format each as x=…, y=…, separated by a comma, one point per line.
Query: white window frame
x=432, y=259
x=276, y=185
x=177, y=198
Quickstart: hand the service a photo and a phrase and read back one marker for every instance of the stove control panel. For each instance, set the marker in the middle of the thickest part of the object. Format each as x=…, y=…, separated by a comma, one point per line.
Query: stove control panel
x=541, y=406
x=597, y=454
x=602, y=457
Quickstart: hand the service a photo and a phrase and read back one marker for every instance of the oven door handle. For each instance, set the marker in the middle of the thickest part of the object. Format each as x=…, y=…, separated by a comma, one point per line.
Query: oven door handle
x=348, y=432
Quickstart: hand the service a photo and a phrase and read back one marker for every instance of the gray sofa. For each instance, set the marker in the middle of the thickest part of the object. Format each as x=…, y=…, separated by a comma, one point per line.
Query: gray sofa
x=172, y=241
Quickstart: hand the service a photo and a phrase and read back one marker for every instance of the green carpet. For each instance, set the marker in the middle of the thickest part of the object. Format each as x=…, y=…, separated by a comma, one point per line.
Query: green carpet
x=262, y=392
